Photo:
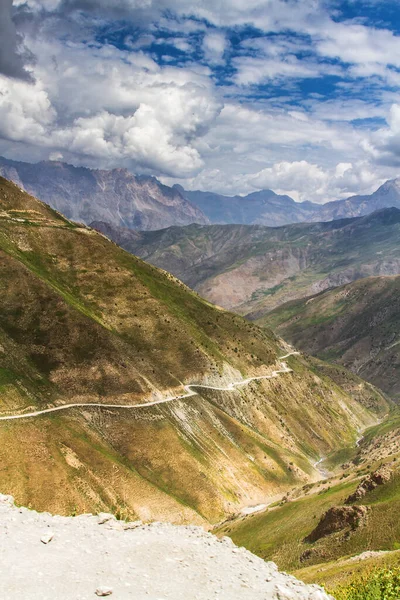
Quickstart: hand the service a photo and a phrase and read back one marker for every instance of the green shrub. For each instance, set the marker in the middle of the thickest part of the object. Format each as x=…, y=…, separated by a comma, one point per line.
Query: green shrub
x=381, y=584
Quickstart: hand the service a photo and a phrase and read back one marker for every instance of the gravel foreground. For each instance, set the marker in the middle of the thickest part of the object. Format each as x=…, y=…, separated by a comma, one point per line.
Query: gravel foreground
x=45, y=557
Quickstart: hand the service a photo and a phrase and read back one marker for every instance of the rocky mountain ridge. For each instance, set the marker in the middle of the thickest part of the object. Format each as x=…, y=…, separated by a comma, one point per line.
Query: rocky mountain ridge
x=117, y=196
x=140, y=202
x=267, y=208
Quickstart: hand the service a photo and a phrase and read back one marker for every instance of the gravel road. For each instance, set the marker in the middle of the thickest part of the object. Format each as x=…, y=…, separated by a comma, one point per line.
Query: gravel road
x=190, y=391
x=44, y=557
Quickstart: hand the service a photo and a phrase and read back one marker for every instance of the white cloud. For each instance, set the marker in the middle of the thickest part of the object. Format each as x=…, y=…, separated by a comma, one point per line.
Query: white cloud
x=287, y=177
x=111, y=105
x=95, y=104
x=384, y=146
x=306, y=181
x=268, y=15
x=25, y=112
x=214, y=46
x=359, y=45
x=299, y=179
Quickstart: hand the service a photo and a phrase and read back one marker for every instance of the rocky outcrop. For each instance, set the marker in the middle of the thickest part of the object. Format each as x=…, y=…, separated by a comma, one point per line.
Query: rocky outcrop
x=369, y=483
x=339, y=518
x=91, y=556
x=116, y=196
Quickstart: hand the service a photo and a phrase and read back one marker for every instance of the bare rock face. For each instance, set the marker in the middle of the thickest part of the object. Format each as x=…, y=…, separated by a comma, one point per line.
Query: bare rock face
x=87, y=559
x=339, y=518
x=117, y=196
x=369, y=483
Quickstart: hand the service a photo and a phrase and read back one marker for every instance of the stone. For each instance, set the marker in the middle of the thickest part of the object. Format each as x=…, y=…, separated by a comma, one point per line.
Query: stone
x=369, y=483
x=104, y=518
x=132, y=525
x=104, y=591
x=339, y=518
x=47, y=537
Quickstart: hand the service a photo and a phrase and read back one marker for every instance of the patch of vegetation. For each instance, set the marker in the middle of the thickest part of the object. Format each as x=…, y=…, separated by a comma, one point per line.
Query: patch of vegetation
x=357, y=325
x=81, y=320
x=380, y=584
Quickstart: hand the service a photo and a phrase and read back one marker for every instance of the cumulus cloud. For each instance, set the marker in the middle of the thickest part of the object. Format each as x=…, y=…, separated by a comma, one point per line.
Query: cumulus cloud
x=96, y=104
x=384, y=145
x=214, y=46
x=26, y=113
x=13, y=55
x=306, y=181
x=287, y=177
x=111, y=105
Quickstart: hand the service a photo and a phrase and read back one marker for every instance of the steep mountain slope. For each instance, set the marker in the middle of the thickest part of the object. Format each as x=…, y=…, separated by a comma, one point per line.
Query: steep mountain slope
x=84, y=322
x=270, y=209
x=253, y=269
x=356, y=325
x=117, y=196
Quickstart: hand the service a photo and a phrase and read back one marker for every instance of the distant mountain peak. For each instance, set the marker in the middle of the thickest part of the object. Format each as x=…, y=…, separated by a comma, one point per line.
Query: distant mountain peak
x=117, y=196
x=265, y=207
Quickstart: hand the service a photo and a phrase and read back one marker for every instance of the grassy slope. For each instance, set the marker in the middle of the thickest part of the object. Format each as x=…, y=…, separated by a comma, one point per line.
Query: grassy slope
x=357, y=325
x=253, y=269
x=84, y=321
x=279, y=534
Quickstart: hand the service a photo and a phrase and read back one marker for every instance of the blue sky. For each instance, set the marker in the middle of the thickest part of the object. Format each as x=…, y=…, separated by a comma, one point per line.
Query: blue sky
x=231, y=95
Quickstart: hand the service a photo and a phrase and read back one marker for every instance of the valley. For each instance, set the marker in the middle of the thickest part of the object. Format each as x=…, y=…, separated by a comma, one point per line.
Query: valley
x=253, y=269
x=83, y=322
x=199, y=300
x=282, y=532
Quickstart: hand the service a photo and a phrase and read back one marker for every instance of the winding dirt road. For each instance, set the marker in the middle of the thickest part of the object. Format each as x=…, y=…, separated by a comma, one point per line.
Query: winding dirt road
x=188, y=388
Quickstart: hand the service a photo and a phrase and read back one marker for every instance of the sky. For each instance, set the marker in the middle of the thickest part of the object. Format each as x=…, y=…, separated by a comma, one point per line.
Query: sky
x=231, y=96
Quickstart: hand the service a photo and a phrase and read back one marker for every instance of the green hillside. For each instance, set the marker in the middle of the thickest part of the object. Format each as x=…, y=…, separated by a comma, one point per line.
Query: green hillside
x=356, y=325
x=253, y=269
x=282, y=532
x=82, y=321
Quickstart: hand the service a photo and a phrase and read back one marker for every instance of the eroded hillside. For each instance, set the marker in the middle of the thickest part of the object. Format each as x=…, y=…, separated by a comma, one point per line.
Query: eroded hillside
x=356, y=325
x=85, y=322
x=253, y=269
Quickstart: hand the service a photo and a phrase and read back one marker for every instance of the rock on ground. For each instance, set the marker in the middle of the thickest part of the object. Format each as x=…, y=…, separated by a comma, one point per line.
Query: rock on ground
x=339, y=518
x=369, y=483
x=88, y=554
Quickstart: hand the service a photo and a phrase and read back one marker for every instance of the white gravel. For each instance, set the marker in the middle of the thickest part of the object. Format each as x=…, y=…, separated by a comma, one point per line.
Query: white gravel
x=45, y=557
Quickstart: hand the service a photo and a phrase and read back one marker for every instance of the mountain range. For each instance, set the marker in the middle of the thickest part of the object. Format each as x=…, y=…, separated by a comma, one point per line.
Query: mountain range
x=270, y=209
x=252, y=269
x=123, y=390
x=140, y=202
x=116, y=196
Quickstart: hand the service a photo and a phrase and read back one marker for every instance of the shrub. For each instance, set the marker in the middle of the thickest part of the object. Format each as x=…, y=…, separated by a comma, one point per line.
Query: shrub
x=380, y=584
